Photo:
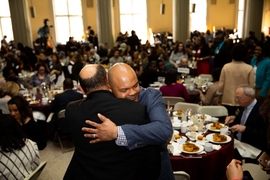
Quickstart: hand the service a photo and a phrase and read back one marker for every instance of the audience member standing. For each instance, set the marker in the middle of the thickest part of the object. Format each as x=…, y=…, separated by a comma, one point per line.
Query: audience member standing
x=133, y=41
x=202, y=56
x=232, y=75
x=261, y=65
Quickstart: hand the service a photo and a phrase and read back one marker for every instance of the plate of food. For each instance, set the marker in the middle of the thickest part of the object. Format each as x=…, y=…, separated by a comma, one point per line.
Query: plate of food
x=191, y=148
x=215, y=126
x=206, y=117
x=218, y=138
x=200, y=138
x=34, y=102
x=178, y=113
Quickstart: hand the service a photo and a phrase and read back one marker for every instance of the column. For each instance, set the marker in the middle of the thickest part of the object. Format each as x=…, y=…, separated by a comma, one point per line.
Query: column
x=20, y=22
x=180, y=14
x=253, y=18
x=104, y=22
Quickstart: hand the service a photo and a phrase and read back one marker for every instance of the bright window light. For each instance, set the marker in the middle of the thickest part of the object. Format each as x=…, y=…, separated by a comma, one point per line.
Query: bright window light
x=5, y=21
x=240, y=18
x=68, y=20
x=133, y=17
x=198, y=18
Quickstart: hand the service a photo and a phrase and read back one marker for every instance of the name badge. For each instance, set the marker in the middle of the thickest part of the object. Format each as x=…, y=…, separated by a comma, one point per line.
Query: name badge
x=183, y=70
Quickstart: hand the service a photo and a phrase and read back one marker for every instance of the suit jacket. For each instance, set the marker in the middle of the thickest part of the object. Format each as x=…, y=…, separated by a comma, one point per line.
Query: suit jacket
x=223, y=55
x=60, y=102
x=256, y=128
x=106, y=160
x=156, y=133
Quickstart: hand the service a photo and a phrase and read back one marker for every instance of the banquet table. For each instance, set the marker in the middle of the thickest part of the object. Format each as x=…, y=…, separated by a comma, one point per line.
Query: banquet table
x=210, y=166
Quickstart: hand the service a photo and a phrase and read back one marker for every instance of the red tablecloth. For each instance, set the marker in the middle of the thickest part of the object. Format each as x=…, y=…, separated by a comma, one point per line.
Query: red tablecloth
x=212, y=166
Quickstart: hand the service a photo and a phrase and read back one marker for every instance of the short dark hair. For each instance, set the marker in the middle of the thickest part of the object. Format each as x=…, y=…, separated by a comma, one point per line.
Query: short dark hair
x=22, y=106
x=239, y=52
x=68, y=83
x=94, y=82
x=11, y=134
x=170, y=78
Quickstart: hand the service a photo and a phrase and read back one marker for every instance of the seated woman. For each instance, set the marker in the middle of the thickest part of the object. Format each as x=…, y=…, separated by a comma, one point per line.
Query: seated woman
x=41, y=75
x=11, y=74
x=10, y=90
x=56, y=67
x=21, y=111
x=210, y=97
x=19, y=156
x=172, y=88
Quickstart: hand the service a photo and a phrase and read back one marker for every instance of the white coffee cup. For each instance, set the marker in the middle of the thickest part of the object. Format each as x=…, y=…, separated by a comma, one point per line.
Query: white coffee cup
x=225, y=131
x=214, y=119
x=208, y=147
x=183, y=127
x=175, y=119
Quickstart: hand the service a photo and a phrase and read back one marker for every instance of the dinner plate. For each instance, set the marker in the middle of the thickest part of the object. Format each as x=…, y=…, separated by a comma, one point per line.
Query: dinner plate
x=207, y=117
x=214, y=130
x=176, y=114
x=209, y=137
x=187, y=152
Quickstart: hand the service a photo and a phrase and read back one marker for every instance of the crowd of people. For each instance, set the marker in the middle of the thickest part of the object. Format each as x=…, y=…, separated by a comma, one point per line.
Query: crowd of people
x=241, y=82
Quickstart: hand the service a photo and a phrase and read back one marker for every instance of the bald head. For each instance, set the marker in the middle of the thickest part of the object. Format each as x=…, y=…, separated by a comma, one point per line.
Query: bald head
x=123, y=81
x=93, y=77
x=120, y=71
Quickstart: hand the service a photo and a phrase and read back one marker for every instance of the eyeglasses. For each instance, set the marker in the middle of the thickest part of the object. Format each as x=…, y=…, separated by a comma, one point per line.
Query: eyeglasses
x=238, y=98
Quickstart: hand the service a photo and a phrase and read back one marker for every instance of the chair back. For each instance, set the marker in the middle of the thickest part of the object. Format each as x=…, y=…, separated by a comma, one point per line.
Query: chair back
x=255, y=171
x=35, y=174
x=184, y=106
x=181, y=175
x=216, y=111
x=206, y=76
x=172, y=100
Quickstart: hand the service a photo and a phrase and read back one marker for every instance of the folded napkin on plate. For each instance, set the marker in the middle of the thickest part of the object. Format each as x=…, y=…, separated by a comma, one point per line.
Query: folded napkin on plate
x=216, y=147
x=174, y=149
x=246, y=150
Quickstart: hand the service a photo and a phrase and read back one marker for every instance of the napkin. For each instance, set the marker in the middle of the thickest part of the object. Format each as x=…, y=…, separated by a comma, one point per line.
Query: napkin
x=174, y=149
x=216, y=147
x=246, y=150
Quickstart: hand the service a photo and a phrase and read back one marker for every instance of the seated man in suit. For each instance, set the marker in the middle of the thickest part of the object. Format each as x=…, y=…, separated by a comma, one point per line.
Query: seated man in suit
x=61, y=101
x=124, y=84
x=106, y=160
x=248, y=125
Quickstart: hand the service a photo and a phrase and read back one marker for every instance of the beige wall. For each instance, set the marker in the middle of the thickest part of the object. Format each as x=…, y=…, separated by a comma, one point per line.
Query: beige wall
x=221, y=14
x=159, y=22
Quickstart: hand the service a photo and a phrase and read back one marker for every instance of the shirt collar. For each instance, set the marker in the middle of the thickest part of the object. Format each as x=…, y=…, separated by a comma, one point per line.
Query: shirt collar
x=252, y=104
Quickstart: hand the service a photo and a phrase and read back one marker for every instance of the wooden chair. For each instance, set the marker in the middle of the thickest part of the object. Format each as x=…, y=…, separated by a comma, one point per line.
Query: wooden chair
x=216, y=111
x=185, y=106
x=181, y=175
x=61, y=133
x=171, y=100
x=35, y=174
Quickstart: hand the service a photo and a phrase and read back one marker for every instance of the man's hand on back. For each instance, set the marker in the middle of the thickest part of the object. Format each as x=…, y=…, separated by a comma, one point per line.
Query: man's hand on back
x=106, y=131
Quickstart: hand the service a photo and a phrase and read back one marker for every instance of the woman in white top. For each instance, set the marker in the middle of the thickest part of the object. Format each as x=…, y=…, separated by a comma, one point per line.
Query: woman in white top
x=10, y=90
x=18, y=156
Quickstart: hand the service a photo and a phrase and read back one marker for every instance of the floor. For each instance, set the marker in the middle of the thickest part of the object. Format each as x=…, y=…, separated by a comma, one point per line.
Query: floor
x=57, y=162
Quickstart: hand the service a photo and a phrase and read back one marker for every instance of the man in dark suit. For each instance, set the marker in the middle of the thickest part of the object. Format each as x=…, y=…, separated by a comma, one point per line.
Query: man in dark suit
x=61, y=101
x=248, y=126
x=133, y=41
x=222, y=51
x=106, y=160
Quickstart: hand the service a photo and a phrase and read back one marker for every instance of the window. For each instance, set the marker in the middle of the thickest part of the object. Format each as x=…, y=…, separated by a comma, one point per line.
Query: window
x=240, y=18
x=198, y=15
x=5, y=21
x=68, y=20
x=133, y=17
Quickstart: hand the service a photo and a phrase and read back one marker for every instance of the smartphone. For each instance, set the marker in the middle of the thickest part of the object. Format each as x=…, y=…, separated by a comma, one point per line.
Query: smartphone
x=264, y=160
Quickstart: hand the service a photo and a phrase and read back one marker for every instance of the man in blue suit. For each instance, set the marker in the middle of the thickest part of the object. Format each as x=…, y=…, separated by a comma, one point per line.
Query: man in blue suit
x=125, y=85
x=61, y=101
